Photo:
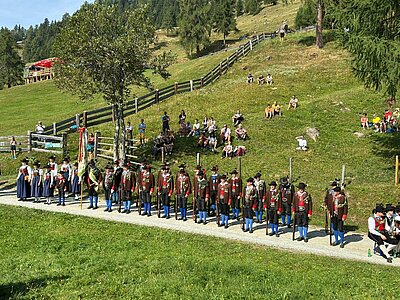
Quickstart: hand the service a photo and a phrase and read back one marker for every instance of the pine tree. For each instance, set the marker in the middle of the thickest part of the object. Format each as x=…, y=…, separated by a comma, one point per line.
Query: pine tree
x=194, y=25
x=252, y=7
x=224, y=17
x=372, y=37
x=239, y=8
x=11, y=65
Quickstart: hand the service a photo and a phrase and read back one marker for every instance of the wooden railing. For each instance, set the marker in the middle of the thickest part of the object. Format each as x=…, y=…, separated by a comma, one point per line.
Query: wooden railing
x=105, y=114
x=47, y=143
x=22, y=143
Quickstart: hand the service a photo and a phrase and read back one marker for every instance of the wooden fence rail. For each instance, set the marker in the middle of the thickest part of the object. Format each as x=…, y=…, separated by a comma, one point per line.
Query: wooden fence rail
x=105, y=114
x=22, y=143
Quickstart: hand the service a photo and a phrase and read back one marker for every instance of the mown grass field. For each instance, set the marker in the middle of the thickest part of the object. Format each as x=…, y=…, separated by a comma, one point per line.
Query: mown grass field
x=57, y=256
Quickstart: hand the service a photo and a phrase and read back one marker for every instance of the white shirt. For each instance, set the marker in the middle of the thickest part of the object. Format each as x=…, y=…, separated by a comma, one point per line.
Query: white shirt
x=371, y=226
x=302, y=143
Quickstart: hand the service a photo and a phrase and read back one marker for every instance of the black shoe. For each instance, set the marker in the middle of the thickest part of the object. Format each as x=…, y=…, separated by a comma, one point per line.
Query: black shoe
x=277, y=234
x=109, y=210
x=167, y=217
x=245, y=230
x=184, y=220
x=226, y=226
x=63, y=204
x=289, y=226
x=306, y=240
x=284, y=224
x=58, y=204
x=96, y=207
x=144, y=214
x=237, y=219
x=271, y=233
x=335, y=243
x=128, y=212
x=180, y=218
x=91, y=206
x=389, y=260
x=342, y=245
x=205, y=223
x=124, y=211
x=299, y=239
x=106, y=209
x=19, y=199
x=200, y=221
x=251, y=231
x=149, y=214
x=163, y=216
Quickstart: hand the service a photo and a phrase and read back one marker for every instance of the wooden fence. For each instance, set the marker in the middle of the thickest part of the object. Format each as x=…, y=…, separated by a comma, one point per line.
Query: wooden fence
x=47, y=143
x=22, y=143
x=105, y=114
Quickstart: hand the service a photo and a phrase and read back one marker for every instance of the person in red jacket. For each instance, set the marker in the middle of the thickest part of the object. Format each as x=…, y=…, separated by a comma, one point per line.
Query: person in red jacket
x=201, y=196
x=302, y=208
x=146, y=189
x=165, y=189
x=236, y=193
x=273, y=205
x=183, y=188
x=127, y=187
x=336, y=204
x=224, y=200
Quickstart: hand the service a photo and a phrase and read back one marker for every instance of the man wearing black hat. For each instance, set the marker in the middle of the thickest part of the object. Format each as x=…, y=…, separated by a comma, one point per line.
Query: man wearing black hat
x=108, y=186
x=36, y=181
x=75, y=182
x=249, y=204
x=23, y=185
x=378, y=233
x=261, y=189
x=165, y=189
x=53, y=165
x=302, y=208
x=213, y=183
x=273, y=205
x=183, y=188
x=61, y=185
x=338, y=209
x=146, y=189
x=236, y=193
x=127, y=187
x=93, y=181
x=66, y=171
x=287, y=193
x=201, y=195
x=48, y=184
x=224, y=200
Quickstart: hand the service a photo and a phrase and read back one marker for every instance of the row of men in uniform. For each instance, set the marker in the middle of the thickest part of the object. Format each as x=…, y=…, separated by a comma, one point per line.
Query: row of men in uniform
x=216, y=195
x=36, y=182
x=384, y=230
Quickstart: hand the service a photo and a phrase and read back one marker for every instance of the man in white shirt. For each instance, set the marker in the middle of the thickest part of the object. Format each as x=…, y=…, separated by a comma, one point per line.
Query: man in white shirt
x=302, y=143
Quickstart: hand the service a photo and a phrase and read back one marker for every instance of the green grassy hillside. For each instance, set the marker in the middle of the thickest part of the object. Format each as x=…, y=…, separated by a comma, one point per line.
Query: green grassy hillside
x=70, y=257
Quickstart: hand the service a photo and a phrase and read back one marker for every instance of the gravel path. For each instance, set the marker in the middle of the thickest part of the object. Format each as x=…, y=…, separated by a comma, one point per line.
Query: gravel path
x=356, y=247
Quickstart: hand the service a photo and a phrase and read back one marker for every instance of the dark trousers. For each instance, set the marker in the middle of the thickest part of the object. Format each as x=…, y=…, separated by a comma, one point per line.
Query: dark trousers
x=380, y=241
x=235, y=201
x=248, y=213
x=337, y=223
x=145, y=196
x=211, y=204
x=273, y=216
x=92, y=191
x=286, y=209
x=165, y=198
x=301, y=219
x=201, y=204
x=182, y=201
x=223, y=208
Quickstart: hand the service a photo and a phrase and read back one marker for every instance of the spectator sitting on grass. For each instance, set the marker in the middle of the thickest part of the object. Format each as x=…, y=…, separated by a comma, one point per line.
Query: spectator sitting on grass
x=212, y=143
x=39, y=127
x=364, y=121
x=268, y=111
x=302, y=143
x=227, y=151
x=202, y=142
x=261, y=79
x=225, y=134
x=293, y=102
x=184, y=129
x=250, y=78
x=237, y=118
x=276, y=109
x=376, y=121
x=241, y=133
x=195, y=129
x=269, y=79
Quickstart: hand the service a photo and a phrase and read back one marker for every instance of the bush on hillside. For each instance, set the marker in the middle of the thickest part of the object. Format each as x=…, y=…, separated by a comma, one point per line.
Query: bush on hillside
x=306, y=15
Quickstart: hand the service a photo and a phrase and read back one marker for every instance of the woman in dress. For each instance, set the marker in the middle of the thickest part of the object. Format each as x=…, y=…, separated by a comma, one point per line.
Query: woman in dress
x=23, y=186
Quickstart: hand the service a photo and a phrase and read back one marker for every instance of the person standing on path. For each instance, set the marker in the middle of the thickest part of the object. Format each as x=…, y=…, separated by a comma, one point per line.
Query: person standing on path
x=302, y=208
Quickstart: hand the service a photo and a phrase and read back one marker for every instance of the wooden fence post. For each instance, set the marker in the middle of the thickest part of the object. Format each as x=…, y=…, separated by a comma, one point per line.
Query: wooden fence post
x=290, y=170
x=64, y=143
x=243, y=50
x=263, y=35
x=85, y=119
x=396, y=175
x=220, y=68
x=96, y=143
x=157, y=96
x=227, y=64
x=191, y=85
x=198, y=159
x=251, y=44
x=54, y=128
x=77, y=121
x=201, y=82
x=176, y=88
x=29, y=141
x=258, y=39
x=136, y=105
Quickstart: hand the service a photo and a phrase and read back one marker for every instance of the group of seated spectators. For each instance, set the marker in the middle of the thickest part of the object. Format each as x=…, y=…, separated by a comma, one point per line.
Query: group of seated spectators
x=386, y=124
x=164, y=140
x=261, y=79
x=273, y=110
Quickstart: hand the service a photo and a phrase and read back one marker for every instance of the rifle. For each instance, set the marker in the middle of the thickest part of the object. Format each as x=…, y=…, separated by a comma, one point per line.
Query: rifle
x=326, y=221
x=194, y=210
x=158, y=205
x=176, y=207
x=243, y=218
x=217, y=211
x=294, y=226
x=139, y=200
x=330, y=231
x=119, y=199
x=266, y=220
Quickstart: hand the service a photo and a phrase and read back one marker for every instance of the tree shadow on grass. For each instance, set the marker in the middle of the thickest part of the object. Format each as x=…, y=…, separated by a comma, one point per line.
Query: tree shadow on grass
x=215, y=46
x=18, y=289
x=386, y=145
x=310, y=40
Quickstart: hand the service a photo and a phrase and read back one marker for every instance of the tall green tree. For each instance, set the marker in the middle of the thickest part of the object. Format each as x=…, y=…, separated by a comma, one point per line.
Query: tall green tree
x=102, y=51
x=195, y=25
x=370, y=31
x=252, y=7
x=224, y=17
x=11, y=65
